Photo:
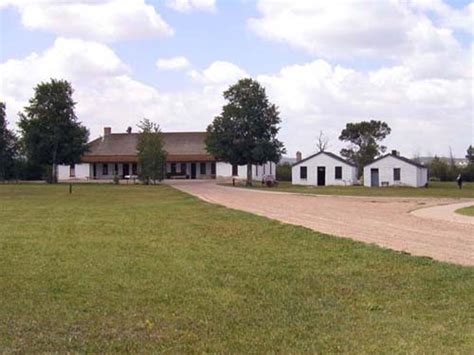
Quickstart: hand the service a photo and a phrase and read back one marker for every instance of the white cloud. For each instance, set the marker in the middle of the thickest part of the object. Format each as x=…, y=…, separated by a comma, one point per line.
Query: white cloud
x=219, y=72
x=105, y=92
x=319, y=96
x=351, y=28
x=427, y=112
x=175, y=63
x=190, y=5
x=101, y=20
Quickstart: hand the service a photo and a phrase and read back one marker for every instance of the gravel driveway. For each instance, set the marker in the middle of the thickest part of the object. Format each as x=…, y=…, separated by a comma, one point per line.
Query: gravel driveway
x=384, y=221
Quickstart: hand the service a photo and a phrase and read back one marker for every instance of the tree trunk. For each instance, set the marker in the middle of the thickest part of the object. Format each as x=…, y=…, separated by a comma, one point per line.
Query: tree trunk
x=249, y=174
x=54, y=178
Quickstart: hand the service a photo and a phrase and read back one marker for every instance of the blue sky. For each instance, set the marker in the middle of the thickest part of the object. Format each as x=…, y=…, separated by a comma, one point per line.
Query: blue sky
x=322, y=64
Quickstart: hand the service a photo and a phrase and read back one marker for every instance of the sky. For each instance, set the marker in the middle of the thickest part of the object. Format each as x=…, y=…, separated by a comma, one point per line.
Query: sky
x=323, y=63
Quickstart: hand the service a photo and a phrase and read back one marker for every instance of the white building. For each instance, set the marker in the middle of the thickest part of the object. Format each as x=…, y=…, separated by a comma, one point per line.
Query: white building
x=394, y=170
x=323, y=169
x=115, y=154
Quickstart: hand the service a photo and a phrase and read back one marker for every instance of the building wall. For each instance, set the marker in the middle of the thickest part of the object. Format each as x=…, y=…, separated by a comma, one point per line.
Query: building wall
x=410, y=175
x=224, y=171
x=207, y=175
x=349, y=173
x=82, y=171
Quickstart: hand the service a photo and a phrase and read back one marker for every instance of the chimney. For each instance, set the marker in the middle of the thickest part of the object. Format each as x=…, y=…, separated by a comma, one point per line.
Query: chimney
x=394, y=153
x=298, y=156
x=107, y=131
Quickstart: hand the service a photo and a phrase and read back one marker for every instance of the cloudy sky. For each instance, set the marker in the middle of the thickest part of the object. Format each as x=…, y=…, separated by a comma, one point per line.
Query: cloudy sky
x=324, y=63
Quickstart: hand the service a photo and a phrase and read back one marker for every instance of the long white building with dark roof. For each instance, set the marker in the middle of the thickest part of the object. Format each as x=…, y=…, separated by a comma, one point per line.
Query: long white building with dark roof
x=115, y=154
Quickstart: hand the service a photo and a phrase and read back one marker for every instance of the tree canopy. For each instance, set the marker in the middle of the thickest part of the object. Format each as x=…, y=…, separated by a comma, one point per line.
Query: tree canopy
x=245, y=133
x=151, y=152
x=51, y=132
x=364, y=138
x=8, y=147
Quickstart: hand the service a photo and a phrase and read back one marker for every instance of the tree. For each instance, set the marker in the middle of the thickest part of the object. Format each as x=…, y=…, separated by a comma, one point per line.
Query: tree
x=439, y=169
x=151, y=153
x=470, y=154
x=52, y=134
x=245, y=132
x=8, y=147
x=322, y=142
x=365, y=138
x=283, y=172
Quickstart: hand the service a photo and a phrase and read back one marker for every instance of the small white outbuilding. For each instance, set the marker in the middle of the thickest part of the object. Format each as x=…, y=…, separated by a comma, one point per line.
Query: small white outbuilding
x=394, y=170
x=322, y=169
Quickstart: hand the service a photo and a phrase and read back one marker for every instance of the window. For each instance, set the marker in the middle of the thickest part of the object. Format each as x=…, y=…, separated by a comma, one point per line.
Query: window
x=173, y=168
x=256, y=170
x=183, y=168
x=303, y=172
x=116, y=169
x=134, y=169
x=202, y=169
x=338, y=173
x=213, y=169
x=235, y=170
x=72, y=170
x=397, y=174
x=105, y=169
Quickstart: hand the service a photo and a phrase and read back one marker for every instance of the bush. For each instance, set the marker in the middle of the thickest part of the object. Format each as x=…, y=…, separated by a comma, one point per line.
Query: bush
x=283, y=172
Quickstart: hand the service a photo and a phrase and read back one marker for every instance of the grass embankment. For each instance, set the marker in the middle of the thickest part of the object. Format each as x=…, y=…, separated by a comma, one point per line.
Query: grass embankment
x=141, y=269
x=467, y=211
x=435, y=189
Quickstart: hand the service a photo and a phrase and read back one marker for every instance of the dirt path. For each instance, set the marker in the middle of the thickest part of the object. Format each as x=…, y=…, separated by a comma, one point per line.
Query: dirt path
x=446, y=213
x=384, y=221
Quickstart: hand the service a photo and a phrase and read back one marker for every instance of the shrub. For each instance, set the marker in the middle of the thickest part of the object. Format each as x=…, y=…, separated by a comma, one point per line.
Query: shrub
x=283, y=172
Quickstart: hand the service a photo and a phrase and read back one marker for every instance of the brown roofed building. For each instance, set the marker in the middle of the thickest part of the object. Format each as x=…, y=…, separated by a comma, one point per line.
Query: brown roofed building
x=115, y=154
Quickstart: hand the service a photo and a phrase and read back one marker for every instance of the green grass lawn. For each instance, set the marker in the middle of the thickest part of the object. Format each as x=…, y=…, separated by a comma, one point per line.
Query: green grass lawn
x=435, y=189
x=467, y=211
x=141, y=269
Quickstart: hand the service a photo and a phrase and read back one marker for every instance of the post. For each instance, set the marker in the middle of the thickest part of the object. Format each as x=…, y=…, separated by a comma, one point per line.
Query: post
x=70, y=188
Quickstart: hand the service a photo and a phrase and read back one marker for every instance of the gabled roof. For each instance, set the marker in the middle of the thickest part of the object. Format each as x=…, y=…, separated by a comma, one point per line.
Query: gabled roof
x=332, y=155
x=178, y=145
x=406, y=160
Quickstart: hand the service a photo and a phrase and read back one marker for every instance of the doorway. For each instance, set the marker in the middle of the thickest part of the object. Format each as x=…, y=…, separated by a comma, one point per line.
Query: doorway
x=193, y=170
x=321, y=176
x=374, y=177
x=125, y=169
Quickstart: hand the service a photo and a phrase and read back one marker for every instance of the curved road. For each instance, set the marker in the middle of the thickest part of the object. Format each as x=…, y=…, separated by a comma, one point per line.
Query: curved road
x=386, y=222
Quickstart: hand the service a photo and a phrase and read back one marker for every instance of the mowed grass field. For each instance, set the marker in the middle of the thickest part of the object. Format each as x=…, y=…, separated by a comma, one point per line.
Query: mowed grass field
x=467, y=211
x=147, y=268
x=435, y=189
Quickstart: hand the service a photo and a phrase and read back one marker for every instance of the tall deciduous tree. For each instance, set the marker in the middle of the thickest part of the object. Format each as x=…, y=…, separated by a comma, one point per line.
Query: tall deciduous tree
x=52, y=134
x=151, y=152
x=8, y=147
x=364, y=138
x=246, y=130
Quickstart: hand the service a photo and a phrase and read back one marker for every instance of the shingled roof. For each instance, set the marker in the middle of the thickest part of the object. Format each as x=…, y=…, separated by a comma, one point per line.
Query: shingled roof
x=180, y=146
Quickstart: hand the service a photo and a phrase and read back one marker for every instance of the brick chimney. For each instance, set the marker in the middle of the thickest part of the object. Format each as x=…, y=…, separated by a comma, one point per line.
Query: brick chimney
x=107, y=131
x=299, y=157
x=394, y=153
